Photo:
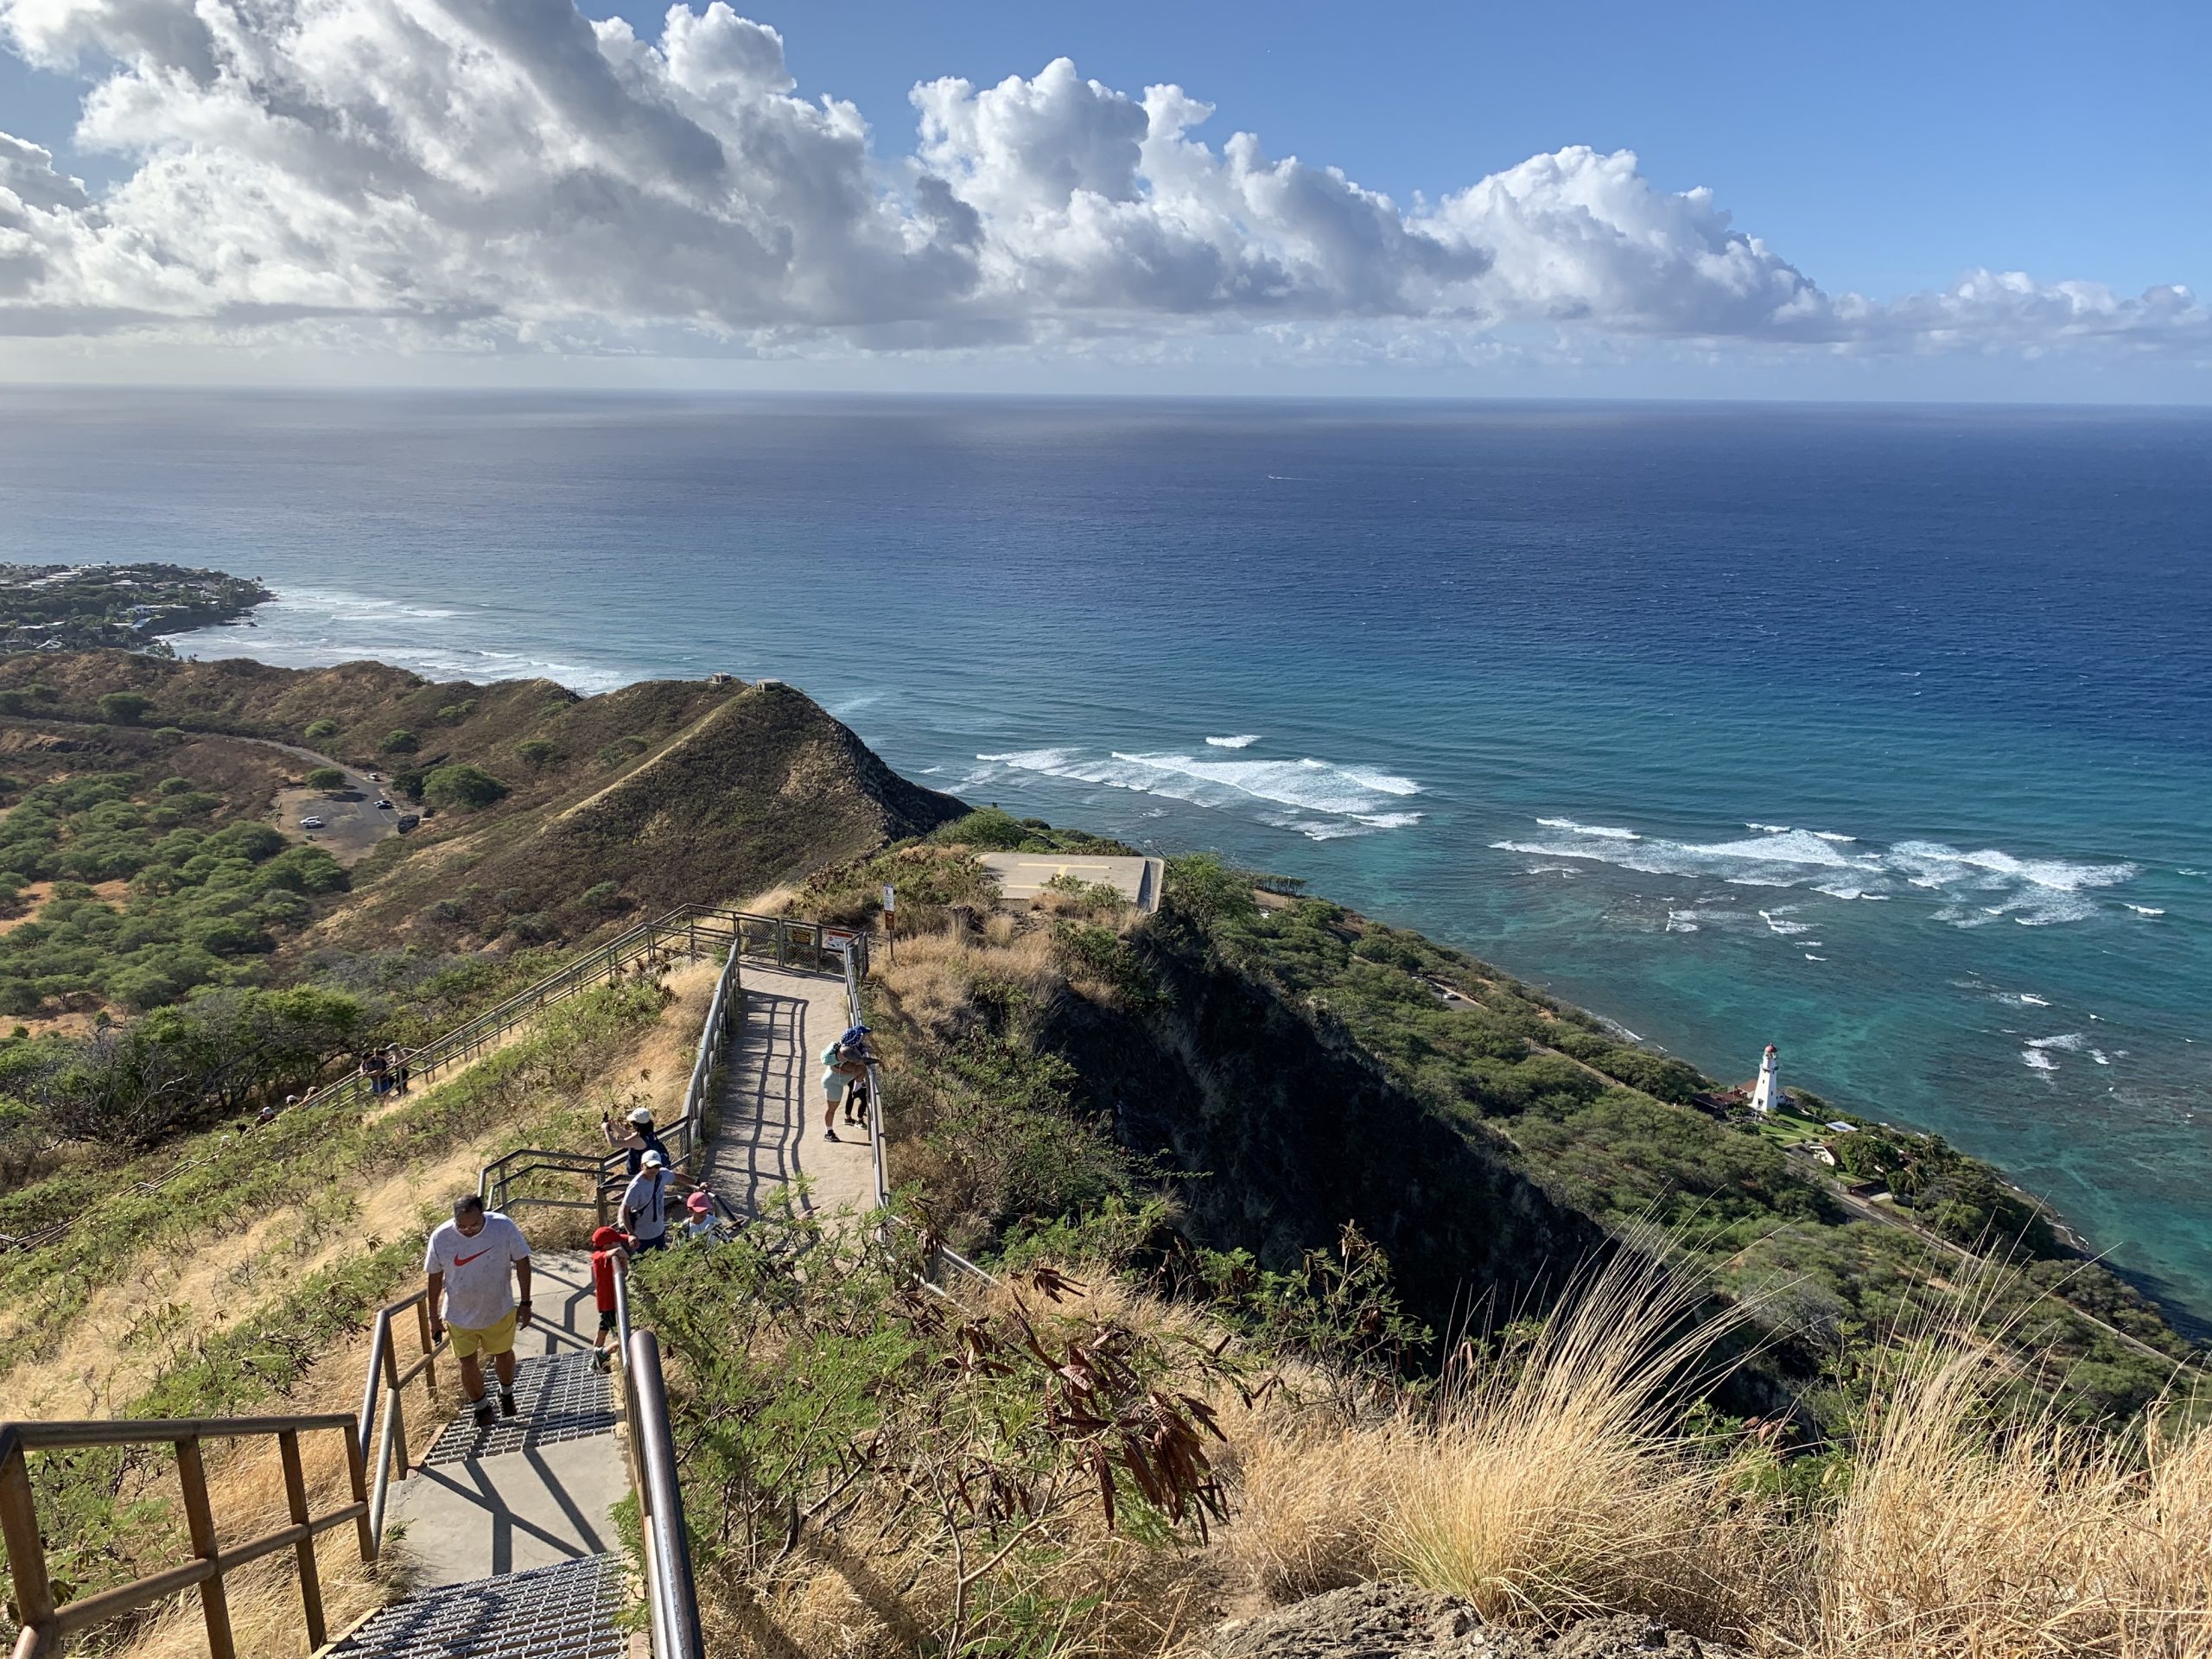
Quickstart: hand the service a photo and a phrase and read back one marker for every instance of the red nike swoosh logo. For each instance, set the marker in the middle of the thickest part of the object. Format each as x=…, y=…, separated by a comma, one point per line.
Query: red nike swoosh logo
x=463, y=1260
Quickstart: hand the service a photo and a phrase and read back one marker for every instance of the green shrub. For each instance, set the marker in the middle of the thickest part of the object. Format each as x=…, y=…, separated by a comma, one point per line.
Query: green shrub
x=454, y=712
x=536, y=752
x=605, y=897
x=326, y=779
x=320, y=728
x=462, y=785
x=990, y=827
x=123, y=708
x=13, y=702
x=399, y=740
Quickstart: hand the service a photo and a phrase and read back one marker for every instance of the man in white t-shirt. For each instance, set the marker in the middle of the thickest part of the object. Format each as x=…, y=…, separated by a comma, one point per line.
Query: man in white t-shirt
x=468, y=1263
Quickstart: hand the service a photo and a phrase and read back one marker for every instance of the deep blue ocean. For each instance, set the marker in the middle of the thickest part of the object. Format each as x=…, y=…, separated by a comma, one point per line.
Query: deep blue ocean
x=1882, y=735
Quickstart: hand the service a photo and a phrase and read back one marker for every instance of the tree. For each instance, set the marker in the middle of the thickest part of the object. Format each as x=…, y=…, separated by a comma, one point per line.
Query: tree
x=537, y=752
x=462, y=785
x=320, y=728
x=400, y=741
x=326, y=779
x=605, y=897
x=123, y=708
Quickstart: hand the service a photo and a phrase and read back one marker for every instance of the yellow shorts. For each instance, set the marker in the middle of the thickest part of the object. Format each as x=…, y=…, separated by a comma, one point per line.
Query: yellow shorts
x=492, y=1341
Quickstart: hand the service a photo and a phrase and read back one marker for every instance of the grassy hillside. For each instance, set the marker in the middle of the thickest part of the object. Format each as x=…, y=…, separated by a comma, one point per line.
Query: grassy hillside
x=547, y=815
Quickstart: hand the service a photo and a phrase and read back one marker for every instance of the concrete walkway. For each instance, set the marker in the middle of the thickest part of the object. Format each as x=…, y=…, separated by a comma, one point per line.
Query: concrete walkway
x=536, y=1489
x=507, y=1533
x=768, y=1130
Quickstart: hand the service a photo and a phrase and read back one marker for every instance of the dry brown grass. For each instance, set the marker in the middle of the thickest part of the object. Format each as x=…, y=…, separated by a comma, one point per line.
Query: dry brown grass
x=1558, y=1484
x=933, y=978
x=1968, y=1535
x=1310, y=1494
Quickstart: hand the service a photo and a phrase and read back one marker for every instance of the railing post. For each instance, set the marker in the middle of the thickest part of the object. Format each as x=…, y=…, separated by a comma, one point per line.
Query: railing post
x=295, y=1497
x=25, y=1550
x=429, y=1348
x=200, y=1520
x=398, y=1414
x=357, y=1472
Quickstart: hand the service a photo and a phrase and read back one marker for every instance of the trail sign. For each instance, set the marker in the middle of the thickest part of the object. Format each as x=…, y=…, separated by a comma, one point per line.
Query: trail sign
x=890, y=898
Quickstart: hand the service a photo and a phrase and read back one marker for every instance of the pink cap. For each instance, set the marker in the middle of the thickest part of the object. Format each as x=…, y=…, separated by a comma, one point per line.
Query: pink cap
x=700, y=1204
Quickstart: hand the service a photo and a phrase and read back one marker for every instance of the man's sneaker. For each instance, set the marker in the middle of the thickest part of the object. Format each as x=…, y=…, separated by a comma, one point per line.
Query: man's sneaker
x=506, y=1402
x=483, y=1414
x=832, y=1134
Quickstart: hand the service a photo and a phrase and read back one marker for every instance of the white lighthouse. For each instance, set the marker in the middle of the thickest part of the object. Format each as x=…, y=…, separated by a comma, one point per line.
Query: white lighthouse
x=1766, y=1094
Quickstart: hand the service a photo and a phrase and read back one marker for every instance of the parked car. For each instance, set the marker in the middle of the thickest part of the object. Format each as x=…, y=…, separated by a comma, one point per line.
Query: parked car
x=383, y=806
x=310, y=823
x=408, y=821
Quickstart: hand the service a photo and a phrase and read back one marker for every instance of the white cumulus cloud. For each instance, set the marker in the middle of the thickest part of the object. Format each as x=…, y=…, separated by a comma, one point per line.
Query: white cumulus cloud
x=491, y=173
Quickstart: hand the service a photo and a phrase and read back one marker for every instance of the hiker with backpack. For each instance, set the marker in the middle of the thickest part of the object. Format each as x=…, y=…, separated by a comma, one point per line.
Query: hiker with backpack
x=844, y=1073
x=644, y=1201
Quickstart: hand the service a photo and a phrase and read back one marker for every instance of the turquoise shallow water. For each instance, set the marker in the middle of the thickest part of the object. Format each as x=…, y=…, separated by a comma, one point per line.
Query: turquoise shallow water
x=1884, y=735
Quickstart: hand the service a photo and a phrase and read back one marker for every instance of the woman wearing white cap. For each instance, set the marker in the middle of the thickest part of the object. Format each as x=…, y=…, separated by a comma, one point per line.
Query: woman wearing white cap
x=639, y=1141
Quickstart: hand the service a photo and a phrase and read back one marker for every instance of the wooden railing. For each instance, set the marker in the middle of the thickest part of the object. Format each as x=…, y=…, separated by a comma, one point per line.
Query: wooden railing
x=45, y=1626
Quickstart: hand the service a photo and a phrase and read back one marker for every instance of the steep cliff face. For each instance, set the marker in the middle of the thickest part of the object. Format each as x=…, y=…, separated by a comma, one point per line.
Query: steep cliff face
x=1285, y=1129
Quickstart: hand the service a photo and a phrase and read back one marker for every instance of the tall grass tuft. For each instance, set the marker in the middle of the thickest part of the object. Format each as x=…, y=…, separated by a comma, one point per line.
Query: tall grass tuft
x=1970, y=1532
x=1557, y=1481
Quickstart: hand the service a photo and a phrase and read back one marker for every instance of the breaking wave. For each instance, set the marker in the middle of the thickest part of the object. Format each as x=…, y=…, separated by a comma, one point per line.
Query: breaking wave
x=1243, y=742
x=1979, y=886
x=312, y=627
x=1326, y=801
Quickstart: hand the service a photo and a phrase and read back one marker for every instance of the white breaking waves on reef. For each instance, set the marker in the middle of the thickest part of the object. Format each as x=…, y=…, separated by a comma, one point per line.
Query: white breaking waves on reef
x=517, y=175
x=312, y=627
x=1976, y=887
x=1320, y=799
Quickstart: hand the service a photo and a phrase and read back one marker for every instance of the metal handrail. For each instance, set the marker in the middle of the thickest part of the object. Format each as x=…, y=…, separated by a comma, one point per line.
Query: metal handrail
x=680, y=923
x=660, y=1509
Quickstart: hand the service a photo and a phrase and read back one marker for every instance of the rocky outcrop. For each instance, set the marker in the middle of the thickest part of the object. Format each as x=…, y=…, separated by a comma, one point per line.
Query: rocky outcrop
x=1387, y=1621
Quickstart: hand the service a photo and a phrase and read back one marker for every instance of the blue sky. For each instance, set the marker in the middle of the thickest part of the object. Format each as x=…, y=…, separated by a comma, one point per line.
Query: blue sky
x=1881, y=150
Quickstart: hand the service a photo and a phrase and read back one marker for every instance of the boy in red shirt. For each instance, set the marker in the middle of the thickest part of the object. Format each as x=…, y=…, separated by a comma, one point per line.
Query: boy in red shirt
x=608, y=1258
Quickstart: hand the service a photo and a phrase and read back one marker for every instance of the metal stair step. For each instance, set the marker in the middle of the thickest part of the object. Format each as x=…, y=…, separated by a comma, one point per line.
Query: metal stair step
x=569, y=1610
x=557, y=1397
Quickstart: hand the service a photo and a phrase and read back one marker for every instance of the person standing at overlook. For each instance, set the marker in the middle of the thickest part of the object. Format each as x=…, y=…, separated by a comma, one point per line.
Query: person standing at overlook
x=467, y=1264
x=639, y=1139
